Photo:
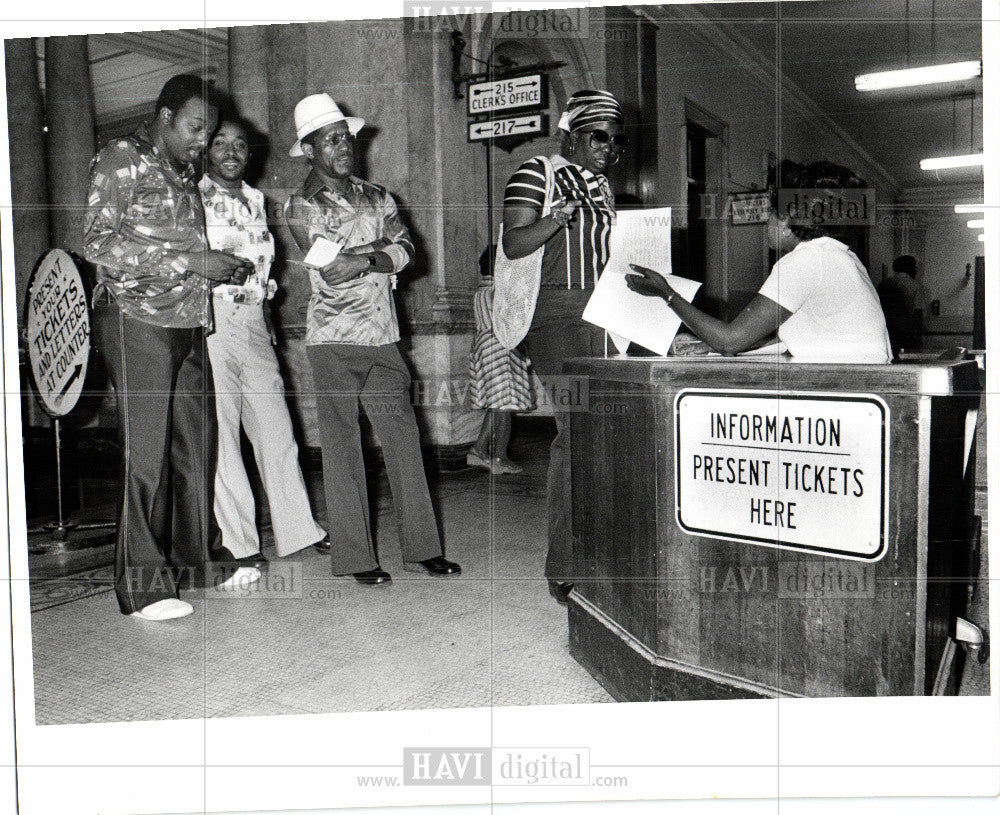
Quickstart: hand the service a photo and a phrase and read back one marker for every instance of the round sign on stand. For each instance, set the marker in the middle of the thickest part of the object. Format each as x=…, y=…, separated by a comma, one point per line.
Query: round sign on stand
x=58, y=324
x=58, y=332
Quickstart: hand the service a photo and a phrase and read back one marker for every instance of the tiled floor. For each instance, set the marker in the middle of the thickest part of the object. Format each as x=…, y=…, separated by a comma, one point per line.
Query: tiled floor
x=316, y=643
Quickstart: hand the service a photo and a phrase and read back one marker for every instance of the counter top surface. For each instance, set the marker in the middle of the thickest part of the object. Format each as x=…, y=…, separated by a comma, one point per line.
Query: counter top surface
x=929, y=378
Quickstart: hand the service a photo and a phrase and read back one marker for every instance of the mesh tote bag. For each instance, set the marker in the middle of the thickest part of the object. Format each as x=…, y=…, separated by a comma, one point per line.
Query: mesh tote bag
x=516, y=281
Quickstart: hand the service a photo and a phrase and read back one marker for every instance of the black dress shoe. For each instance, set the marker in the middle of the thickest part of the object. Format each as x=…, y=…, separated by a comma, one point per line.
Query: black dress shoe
x=373, y=577
x=560, y=590
x=437, y=566
x=258, y=560
x=323, y=545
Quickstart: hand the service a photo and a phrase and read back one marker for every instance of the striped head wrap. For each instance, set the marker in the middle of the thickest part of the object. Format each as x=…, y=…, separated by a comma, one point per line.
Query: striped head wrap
x=589, y=106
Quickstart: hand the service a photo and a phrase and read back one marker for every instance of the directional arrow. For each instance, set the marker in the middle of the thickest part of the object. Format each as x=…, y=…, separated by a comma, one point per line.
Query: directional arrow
x=72, y=378
x=515, y=126
x=496, y=95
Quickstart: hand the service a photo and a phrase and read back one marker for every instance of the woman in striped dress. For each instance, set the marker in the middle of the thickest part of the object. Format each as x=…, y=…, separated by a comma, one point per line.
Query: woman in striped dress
x=499, y=380
x=575, y=237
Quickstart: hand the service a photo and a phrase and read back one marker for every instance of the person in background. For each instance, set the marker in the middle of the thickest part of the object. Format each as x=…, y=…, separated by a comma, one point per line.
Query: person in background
x=902, y=304
x=144, y=229
x=818, y=298
x=249, y=390
x=351, y=336
x=575, y=237
x=500, y=382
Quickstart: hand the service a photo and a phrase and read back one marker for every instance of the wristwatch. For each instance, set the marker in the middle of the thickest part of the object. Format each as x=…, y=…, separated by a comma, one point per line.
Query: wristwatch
x=371, y=265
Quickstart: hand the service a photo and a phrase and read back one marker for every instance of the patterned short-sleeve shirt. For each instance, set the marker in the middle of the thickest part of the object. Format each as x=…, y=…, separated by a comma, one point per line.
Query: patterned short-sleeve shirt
x=144, y=222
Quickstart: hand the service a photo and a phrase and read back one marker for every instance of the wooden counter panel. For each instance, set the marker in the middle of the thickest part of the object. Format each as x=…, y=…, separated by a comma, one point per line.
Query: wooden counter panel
x=610, y=539
x=727, y=607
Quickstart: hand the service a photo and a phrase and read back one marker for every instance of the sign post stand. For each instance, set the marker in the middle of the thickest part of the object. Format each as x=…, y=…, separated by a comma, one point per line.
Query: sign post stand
x=61, y=528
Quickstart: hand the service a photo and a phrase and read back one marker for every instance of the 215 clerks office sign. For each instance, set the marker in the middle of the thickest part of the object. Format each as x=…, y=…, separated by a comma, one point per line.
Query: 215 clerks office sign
x=801, y=471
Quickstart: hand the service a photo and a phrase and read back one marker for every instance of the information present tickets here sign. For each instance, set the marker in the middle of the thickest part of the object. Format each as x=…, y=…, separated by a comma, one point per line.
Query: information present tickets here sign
x=801, y=471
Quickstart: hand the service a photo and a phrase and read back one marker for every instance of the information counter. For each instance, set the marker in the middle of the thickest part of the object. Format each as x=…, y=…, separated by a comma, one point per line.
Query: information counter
x=758, y=528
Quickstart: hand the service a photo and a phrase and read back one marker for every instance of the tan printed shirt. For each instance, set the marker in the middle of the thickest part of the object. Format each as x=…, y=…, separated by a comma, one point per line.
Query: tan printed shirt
x=360, y=311
x=144, y=220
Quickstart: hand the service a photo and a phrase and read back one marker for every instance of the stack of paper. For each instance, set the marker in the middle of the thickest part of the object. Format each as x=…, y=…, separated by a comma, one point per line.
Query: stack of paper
x=641, y=237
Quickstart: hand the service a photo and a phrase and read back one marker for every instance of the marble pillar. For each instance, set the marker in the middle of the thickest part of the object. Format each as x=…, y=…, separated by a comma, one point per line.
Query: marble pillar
x=69, y=113
x=29, y=188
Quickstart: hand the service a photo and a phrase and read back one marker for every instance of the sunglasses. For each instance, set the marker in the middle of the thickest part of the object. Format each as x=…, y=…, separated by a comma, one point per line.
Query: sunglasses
x=599, y=138
x=335, y=139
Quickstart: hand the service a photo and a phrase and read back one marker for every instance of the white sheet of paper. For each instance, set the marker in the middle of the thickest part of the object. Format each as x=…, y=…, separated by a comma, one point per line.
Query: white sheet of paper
x=641, y=237
x=322, y=252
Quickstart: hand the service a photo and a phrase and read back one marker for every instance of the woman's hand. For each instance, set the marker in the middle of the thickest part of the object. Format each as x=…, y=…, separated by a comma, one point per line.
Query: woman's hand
x=562, y=210
x=648, y=283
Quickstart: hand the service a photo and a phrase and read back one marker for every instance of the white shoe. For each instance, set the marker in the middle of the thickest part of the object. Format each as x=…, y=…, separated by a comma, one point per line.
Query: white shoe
x=169, y=609
x=242, y=578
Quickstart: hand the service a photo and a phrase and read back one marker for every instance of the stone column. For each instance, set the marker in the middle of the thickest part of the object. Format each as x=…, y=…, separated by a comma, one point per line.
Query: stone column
x=29, y=188
x=69, y=112
x=248, y=58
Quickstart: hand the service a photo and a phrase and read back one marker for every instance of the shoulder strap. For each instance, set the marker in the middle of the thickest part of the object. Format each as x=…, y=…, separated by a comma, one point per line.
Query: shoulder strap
x=550, y=184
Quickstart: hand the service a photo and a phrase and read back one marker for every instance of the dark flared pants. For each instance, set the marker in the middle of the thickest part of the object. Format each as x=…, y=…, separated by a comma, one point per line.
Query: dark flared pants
x=166, y=424
x=376, y=377
x=557, y=333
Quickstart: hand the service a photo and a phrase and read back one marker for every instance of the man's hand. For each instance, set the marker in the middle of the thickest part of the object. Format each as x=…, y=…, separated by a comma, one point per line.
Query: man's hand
x=219, y=266
x=376, y=245
x=344, y=268
x=648, y=283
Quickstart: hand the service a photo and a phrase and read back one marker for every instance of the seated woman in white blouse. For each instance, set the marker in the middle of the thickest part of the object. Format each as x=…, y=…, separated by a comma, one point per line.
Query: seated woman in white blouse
x=818, y=298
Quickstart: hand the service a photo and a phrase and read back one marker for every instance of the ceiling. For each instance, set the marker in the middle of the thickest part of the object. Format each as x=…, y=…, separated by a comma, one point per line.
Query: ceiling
x=128, y=70
x=822, y=46
x=819, y=45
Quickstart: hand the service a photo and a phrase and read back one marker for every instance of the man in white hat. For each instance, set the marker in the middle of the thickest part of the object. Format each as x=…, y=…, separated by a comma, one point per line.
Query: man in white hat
x=351, y=336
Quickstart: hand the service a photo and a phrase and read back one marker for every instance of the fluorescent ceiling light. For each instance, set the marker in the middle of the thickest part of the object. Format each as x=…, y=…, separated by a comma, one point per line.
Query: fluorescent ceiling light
x=982, y=238
x=967, y=208
x=979, y=223
x=947, y=162
x=929, y=75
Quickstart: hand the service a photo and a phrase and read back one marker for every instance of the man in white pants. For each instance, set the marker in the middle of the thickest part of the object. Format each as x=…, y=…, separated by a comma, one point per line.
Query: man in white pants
x=248, y=383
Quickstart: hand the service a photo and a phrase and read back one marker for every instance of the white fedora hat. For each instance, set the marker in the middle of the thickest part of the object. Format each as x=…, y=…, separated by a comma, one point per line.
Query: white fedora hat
x=316, y=111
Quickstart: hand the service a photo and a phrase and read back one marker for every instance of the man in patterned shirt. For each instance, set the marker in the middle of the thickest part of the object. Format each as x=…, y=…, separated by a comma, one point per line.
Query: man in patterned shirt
x=351, y=335
x=145, y=231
